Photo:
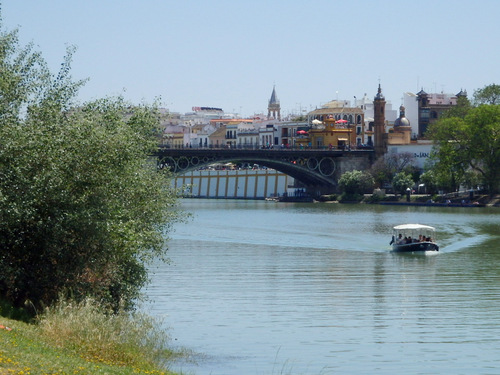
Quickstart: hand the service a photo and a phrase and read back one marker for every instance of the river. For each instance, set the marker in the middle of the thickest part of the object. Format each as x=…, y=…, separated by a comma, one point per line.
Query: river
x=257, y=287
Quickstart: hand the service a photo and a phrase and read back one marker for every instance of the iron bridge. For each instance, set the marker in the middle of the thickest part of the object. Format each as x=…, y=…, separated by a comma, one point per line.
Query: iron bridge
x=317, y=170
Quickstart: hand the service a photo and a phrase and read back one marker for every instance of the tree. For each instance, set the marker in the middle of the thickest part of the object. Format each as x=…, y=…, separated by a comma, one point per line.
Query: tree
x=429, y=179
x=438, y=179
x=489, y=94
x=460, y=110
x=401, y=182
x=470, y=143
x=356, y=182
x=83, y=207
x=384, y=168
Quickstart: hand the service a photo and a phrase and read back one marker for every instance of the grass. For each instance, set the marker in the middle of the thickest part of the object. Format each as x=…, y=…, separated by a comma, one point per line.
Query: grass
x=82, y=339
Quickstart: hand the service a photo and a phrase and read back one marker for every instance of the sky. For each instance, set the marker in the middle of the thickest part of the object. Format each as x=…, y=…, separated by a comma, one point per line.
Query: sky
x=230, y=54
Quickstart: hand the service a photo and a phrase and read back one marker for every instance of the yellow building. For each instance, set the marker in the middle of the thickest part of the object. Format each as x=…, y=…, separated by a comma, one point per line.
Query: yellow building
x=336, y=126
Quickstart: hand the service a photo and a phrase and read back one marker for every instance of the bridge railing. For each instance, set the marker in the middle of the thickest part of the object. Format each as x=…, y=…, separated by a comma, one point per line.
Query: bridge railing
x=270, y=147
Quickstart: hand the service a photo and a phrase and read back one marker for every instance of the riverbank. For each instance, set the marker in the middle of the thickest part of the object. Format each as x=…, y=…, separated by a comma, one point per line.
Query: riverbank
x=79, y=339
x=450, y=200
x=456, y=200
x=22, y=351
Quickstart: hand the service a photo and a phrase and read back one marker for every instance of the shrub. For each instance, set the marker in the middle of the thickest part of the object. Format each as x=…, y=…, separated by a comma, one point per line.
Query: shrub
x=99, y=335
x=356, y=182
x=401, y=182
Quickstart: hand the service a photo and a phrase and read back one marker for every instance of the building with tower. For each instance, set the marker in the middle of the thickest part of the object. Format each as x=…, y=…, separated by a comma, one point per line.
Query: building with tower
x=274, y=108
x=432, y=106
x=401, y=131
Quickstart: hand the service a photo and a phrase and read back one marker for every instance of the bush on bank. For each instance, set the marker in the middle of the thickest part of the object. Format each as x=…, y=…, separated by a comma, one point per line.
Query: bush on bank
x=83, y=207
x=83, y=338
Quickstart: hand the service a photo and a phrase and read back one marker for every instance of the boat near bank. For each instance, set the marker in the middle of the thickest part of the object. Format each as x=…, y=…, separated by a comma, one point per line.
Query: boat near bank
x=413, y=237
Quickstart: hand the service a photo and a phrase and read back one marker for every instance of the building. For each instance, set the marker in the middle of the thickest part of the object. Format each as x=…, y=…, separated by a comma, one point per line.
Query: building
x=218, y=138
x=290, y=134
x=266, y=135
x=247, y=136
x=432, y=106
x=336, y=125
x=367, y=105
x=401, y=131
x=203, y=115
x=411, y=112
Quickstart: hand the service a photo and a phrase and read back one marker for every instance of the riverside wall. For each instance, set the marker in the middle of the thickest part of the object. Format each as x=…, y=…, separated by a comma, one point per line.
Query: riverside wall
x=234, y=184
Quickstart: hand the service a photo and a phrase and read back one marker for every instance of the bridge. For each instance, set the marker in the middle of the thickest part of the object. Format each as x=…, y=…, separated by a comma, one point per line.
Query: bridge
x=317, y=169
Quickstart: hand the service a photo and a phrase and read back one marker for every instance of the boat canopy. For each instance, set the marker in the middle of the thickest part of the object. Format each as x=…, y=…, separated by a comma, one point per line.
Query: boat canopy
x=414, y=230
x=413, y=227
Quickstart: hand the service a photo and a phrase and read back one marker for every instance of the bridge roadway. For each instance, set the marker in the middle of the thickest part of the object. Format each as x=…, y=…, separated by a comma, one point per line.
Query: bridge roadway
x=318, y=169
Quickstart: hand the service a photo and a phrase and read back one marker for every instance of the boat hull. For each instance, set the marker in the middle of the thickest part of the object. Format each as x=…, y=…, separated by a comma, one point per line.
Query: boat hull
x=416, y=246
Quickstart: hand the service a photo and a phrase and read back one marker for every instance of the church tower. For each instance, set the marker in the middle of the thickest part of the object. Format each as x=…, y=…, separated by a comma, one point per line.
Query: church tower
x=379, y=123
x=274, y=108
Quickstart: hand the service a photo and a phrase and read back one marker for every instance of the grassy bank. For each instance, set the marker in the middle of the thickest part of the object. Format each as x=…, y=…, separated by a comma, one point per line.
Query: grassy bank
x=81, y=339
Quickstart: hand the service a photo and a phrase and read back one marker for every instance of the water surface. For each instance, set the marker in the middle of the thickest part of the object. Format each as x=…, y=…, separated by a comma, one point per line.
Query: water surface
x=260, y=287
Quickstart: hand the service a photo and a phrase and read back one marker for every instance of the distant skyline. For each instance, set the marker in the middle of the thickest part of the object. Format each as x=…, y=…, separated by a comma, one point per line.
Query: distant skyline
x=230, y=54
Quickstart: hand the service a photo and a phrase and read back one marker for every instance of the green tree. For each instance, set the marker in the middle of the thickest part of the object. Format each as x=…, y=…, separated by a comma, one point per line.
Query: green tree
x=384, y=168
x=83, y=207
x=356, y=182
x=489, y=94
x=401, y=182
x=471, y=143
x=436, y=180
x=429, y=179
x=460, y=110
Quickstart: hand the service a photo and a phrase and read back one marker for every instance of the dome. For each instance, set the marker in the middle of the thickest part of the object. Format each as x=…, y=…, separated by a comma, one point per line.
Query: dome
x=401, y=120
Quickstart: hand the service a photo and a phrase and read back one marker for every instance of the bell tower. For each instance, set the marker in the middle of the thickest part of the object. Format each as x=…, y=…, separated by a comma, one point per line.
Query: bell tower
x=379, y=123
x=274, y=108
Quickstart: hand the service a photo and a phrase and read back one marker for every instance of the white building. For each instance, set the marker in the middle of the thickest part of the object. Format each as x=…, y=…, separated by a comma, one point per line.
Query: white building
x=266, y=135
x=247, y=135
x=411, y=112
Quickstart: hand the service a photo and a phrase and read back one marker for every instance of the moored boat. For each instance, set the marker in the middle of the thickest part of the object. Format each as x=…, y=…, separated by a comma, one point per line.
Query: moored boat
x=414, y=237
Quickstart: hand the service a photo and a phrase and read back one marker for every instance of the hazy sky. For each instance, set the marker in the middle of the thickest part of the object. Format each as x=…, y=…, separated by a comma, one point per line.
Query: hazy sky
x=229, y=54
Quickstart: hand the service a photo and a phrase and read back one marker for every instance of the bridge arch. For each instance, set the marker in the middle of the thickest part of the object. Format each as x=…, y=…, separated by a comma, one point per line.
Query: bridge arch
x=317, y=170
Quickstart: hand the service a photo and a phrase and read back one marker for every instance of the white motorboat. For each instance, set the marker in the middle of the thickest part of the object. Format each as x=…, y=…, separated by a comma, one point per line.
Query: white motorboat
x=414, y=237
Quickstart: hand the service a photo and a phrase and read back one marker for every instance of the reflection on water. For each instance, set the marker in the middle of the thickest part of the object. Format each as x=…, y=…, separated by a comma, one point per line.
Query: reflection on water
x=264, y=288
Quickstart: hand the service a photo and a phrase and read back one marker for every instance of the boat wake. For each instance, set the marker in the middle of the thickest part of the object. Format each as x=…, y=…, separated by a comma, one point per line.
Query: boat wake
x=463, y=243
